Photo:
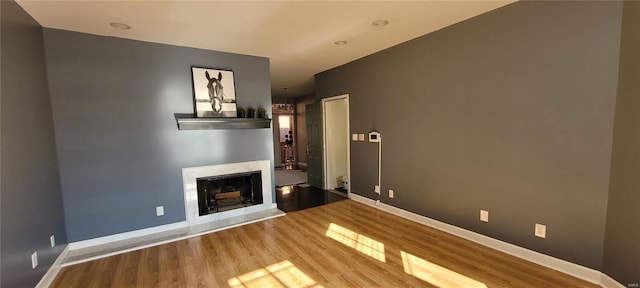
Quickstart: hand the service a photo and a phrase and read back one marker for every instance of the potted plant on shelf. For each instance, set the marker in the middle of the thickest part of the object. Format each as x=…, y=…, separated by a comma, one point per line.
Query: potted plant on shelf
x=241, y=112
x=251, y=112
x=262, y=113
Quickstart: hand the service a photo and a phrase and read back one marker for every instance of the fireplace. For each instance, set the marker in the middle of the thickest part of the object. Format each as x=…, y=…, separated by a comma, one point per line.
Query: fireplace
x=230, y=191
x=223, y=191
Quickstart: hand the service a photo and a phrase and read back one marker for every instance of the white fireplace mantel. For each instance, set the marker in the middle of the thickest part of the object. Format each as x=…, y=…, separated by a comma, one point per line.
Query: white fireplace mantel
x=191, y=174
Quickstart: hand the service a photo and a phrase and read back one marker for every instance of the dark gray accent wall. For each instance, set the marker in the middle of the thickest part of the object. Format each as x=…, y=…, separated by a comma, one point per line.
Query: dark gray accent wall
x=31, y=207
x=119, y=148
x=511, y=111
x=622, y=238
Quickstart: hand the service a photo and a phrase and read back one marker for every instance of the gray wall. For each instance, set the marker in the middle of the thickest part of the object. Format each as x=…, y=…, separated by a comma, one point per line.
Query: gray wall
x=511, y=111
x=622, y=238
x=31, y=208
x=119, y=148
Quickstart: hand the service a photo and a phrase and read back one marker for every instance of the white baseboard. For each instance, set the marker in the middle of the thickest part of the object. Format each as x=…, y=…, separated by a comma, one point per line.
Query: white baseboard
x=174, y=239
x=51, y=274
x=608, y=282
x=572, y=269
x=126, y=235
x=133, y=234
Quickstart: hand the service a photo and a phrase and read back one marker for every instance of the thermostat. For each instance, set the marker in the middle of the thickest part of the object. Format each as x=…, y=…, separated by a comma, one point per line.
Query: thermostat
x=374, y=136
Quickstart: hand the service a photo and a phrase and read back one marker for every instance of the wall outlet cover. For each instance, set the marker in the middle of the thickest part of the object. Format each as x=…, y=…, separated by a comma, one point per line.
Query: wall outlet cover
x=52, y=240
x=484, y=215
x=541, y=230
x=160, y=211
x=360, y=137
x=354, y=137
x=391, y=193
x=34, y=260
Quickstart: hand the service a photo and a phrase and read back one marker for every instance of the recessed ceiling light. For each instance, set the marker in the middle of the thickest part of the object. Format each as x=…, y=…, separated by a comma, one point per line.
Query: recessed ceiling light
x=380, y=23
x=340, y=43
x=120, y=26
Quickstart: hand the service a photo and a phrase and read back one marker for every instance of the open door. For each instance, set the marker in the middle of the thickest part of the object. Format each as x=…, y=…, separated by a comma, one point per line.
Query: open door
x=315, y=168
x=336, y=143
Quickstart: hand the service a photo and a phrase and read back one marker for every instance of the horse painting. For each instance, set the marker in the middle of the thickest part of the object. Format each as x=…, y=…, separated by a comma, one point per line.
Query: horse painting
x=216, y=92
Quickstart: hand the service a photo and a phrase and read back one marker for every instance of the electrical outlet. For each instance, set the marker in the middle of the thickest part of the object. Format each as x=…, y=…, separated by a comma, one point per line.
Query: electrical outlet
x=376, y=189
x=541, y=230
x=390, y=193
x=360, y=137
x=52, y=240
x=484, y=215
x=354, y=137
x=34, y=260
x=159, y=210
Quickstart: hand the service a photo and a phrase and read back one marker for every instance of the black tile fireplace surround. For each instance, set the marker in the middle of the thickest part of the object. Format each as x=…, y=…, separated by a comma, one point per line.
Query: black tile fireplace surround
x=231, y=191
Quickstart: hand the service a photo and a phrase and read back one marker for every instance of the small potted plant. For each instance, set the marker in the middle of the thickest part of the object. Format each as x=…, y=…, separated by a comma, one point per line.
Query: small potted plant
x=241, y=112
x=262, y=113
x=251, y=112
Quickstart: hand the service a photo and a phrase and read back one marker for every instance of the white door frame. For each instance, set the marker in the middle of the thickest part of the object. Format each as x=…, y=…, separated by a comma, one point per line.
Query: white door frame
x=325, y=158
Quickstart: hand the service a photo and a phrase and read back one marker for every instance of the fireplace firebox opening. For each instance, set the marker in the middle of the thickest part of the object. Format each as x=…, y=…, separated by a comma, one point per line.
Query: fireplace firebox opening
x=226, y=192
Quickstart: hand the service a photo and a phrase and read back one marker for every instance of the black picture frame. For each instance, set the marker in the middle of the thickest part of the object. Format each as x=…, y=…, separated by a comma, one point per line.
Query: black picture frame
x=214, y=93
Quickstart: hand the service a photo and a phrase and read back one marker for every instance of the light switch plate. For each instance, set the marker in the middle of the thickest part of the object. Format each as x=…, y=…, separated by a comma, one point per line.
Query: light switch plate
x=354, y=137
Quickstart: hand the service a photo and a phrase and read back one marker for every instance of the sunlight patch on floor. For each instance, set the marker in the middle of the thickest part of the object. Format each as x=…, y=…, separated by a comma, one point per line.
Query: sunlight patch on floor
x=283, y=274
x=359, y=242
x=436, y=274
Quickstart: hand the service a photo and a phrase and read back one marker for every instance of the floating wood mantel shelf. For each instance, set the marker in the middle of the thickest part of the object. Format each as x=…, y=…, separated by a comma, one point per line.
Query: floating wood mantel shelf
x=190, y=122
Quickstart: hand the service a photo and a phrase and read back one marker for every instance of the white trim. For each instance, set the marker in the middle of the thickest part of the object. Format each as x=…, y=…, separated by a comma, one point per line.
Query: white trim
x=144, y=232
x=563, y=266
x=133, y=234
x=190, y=235
x=126, y=235
x=608, y=282
x=348, y=146
x=53, y=271
x=324, y=146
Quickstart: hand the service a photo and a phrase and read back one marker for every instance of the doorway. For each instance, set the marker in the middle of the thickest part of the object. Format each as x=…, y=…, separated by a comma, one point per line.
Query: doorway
x=287, y=148
x=336, y=143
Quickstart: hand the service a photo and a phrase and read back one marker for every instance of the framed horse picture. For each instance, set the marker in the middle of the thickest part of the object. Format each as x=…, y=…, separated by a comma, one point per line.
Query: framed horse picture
x=214, y=93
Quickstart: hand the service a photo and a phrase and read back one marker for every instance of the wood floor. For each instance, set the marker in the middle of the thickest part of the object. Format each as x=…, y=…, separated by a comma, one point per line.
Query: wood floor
x=343, y=244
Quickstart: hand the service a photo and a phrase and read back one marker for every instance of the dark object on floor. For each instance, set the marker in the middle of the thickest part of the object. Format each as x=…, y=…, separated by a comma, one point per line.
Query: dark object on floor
x=293, y=198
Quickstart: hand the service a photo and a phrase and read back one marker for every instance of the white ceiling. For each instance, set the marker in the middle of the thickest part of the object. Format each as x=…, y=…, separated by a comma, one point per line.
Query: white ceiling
x=297, y=36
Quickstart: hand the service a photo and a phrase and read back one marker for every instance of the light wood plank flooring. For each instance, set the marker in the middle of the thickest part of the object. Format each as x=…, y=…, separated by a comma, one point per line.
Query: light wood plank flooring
x=344, y=244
